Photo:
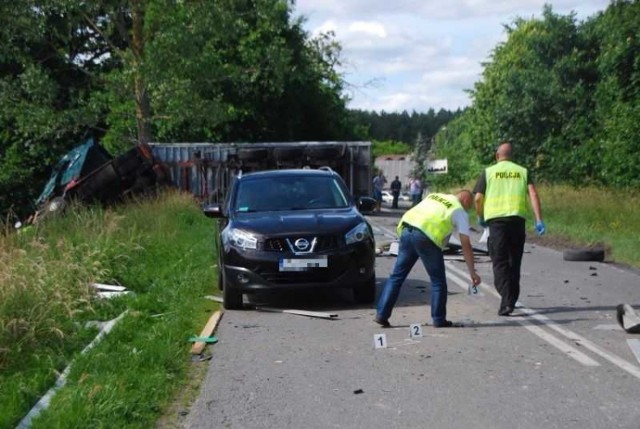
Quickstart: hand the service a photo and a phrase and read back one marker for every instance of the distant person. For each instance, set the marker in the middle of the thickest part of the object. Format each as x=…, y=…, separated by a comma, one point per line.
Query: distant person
x=415, y=190
x=378, y=186
x=423, y=231
x=396, y=187
x=501, y=204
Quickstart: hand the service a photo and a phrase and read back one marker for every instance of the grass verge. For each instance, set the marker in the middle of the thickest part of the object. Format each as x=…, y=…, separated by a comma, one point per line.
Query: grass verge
x=586, y=217
x=160, y=249
x=593, y=216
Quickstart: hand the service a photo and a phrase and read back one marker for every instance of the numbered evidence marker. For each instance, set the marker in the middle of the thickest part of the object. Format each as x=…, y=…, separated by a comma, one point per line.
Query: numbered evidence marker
x=415, y=330
x=380, y=341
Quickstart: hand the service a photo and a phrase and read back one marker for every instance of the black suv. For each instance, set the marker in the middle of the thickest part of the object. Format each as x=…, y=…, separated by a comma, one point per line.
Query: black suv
x=293, y=229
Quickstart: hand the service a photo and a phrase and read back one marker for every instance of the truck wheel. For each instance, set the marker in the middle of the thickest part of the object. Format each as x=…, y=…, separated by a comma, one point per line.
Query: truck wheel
x=54, y=207
x=365, y=292
x=595, y=254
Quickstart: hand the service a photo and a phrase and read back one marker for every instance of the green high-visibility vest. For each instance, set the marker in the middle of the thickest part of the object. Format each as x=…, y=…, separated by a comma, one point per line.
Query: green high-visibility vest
x=432, y=216
x=506, y=193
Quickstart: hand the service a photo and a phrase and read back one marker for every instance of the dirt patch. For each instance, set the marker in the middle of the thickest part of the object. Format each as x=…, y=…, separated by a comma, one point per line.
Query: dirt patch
x=556, y=242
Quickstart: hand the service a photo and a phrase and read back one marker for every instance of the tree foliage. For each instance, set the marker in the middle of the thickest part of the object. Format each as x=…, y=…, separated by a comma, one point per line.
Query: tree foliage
x=401, y=127
x=130, y=71
x=565, y=93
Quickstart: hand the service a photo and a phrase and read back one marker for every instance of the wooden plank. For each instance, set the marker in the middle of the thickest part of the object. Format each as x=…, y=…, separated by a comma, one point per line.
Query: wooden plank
x=299, y=312
x=208, y=330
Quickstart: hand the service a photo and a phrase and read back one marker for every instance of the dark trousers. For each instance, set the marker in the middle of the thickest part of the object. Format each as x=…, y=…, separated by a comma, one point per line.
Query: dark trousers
x=395, y=194
x=506, y=245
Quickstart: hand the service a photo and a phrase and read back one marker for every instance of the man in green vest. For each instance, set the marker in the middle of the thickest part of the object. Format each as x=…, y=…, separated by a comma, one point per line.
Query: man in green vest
x=423, y=231
x=501, y=204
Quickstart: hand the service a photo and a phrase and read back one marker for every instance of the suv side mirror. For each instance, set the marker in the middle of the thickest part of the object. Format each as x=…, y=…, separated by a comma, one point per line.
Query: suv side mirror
x=213, y=211
x=366, y=204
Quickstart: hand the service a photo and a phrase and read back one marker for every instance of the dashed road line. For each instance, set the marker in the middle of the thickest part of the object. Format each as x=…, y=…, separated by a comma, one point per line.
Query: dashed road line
x=540, y=333
x=572, y=336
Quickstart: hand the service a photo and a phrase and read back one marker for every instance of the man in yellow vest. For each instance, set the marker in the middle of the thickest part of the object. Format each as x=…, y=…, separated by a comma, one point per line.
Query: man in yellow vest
x=423, y=232
x=501, y=204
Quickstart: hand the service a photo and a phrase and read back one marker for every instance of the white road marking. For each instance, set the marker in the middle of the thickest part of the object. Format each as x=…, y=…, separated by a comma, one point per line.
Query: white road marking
x=611, y=327
x=635, y=347
x=580, y=340
x=385, y=230
x=559, y=344
x=614, y=359
x=572, y=336
x=539, y=332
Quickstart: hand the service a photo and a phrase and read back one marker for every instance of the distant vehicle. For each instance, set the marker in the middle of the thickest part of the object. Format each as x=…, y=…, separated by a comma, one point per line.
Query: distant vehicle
x=293, y=229
x=405, y=196
x=387, y=197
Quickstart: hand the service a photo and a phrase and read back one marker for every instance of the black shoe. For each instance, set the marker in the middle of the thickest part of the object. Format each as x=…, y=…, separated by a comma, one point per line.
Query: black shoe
x=505, y=311
x=383, y=323
x=445, y=324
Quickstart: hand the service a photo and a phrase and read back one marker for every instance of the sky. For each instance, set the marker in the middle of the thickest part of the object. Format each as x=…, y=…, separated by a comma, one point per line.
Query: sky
x=415, y=55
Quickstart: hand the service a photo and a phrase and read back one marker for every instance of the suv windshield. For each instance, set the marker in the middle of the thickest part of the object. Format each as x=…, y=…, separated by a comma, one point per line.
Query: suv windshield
x=289, y=193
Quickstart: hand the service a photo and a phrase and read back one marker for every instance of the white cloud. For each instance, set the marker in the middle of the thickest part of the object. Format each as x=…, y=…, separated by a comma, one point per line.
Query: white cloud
x=368, y=28
x=420, y=54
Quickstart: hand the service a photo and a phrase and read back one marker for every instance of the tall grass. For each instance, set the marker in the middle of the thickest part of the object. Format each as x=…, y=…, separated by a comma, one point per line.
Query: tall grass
x=590, y=216
x=160, y=249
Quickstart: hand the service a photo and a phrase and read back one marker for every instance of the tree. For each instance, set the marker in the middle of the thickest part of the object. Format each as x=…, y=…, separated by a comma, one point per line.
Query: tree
x=133, y=71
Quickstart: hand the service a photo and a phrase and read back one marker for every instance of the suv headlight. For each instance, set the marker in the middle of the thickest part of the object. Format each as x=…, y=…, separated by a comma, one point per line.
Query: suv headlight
x=358, y=234
x=241, y=239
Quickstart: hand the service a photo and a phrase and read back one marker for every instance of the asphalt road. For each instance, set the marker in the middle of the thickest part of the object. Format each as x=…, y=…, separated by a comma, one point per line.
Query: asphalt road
x=561, y=362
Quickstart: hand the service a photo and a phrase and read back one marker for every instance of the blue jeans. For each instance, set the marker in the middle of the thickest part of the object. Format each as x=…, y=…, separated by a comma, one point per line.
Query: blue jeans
x=413, y=245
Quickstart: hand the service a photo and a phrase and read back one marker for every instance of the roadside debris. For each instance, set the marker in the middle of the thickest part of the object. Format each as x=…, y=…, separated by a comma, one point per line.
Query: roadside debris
x=317, y=314
x=109, y=291
x=206, y=336
x=628, y=318
x=213, y=298
x=209, y=340
x=299, y=312
x=44, y=402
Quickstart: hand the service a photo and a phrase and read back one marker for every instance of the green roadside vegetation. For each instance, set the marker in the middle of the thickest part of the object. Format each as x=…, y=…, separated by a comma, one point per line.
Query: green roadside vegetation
x=161, y=250
x=593, y=216
x=585, y=217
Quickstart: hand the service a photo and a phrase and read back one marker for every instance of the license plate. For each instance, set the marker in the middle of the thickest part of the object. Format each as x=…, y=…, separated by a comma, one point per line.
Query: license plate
x=303, y=264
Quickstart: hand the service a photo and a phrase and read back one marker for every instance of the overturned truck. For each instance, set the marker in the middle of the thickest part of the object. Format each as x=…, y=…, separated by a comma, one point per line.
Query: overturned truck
x=89, y=174
x=207, y=169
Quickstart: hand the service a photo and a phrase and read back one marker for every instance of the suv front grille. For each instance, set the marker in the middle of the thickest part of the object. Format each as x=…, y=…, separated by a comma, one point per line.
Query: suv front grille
x=324, y=244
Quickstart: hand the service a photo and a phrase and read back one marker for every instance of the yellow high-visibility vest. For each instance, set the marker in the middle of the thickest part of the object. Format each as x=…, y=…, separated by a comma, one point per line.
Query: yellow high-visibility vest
x=506, y=193
x=432, y=216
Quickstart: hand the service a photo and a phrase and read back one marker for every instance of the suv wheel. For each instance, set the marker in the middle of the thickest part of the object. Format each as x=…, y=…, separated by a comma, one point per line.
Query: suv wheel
x=231, y=298
x=365, y=292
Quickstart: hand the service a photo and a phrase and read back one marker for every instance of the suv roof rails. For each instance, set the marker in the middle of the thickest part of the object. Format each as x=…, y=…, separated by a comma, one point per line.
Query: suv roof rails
x=325, y=168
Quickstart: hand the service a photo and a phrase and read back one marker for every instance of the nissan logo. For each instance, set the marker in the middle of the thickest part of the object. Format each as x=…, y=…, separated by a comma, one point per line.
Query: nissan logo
x=302, y=244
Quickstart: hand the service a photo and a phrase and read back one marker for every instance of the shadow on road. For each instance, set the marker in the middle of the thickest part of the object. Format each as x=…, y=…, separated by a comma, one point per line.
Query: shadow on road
x=413, y=293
